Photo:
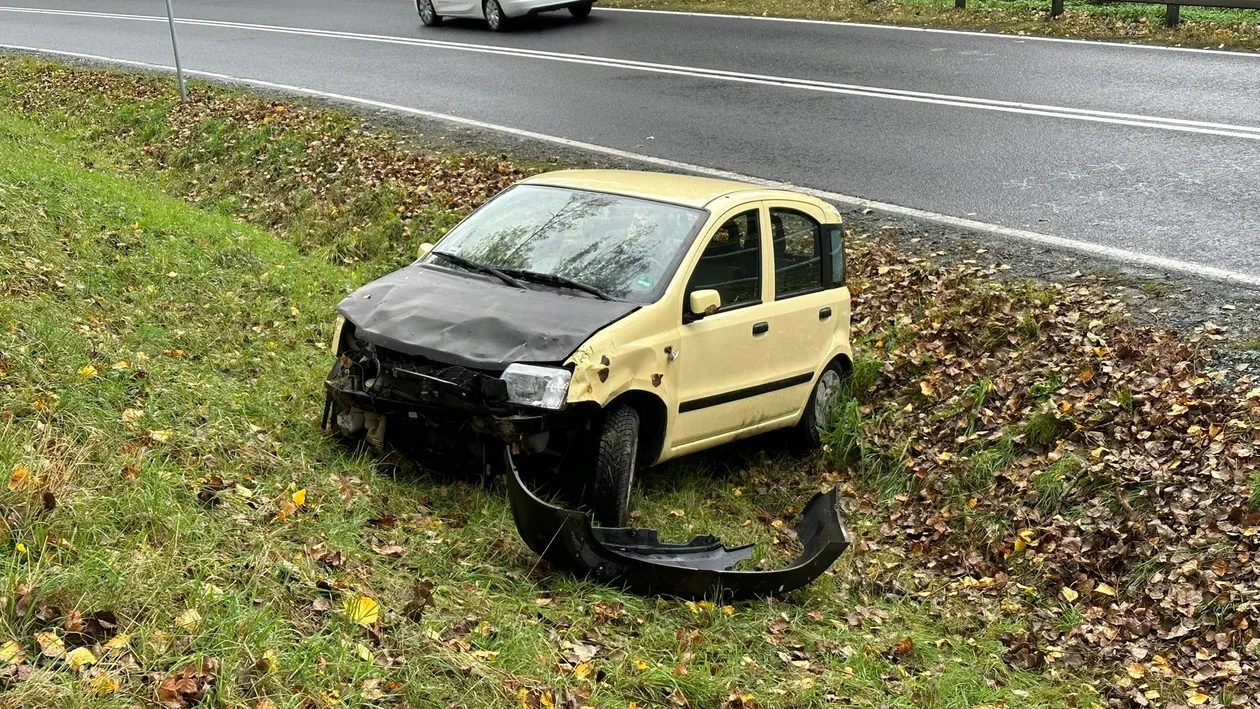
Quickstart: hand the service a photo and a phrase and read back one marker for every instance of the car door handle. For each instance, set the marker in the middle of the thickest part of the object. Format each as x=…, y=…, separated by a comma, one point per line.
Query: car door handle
x=761, y=328
x=824, y=313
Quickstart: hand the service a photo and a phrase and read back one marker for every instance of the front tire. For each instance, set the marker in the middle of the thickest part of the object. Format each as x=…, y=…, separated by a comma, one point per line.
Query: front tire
x=821, y=406
x=581, y=10
x=428, y=15
x=493, y=12
x=615, y=463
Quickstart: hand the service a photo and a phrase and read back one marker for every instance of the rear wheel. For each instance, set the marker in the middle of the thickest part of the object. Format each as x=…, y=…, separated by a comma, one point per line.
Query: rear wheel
x=822, y=405
x=580, y=10
x=615, y=462
x=495, y=18
x=428, y=16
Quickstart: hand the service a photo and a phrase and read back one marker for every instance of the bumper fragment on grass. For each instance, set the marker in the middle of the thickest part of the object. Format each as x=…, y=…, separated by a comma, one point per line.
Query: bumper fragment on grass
x=638, y=561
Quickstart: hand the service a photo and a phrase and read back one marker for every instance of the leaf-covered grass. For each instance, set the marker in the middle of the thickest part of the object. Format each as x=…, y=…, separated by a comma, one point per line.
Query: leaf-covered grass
x=177, y=529
x=1089, y=19
x=1044, y=493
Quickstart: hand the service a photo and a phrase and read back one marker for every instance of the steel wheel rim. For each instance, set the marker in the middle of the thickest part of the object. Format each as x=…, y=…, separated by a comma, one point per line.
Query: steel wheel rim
x=825, y=396
x=492, y=13
x=426, y=11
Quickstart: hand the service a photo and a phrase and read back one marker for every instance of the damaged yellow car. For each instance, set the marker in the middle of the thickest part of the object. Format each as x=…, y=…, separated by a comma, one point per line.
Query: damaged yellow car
x=598, y=322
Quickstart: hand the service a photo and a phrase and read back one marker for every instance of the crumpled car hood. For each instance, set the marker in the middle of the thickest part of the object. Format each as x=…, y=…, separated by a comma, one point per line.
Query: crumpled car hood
x=472, y=322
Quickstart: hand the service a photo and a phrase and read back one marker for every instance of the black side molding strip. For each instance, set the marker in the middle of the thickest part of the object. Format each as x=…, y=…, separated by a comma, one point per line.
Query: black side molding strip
x=728, y=397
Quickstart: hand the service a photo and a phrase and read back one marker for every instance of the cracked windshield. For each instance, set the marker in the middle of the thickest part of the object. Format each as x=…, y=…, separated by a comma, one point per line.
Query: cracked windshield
x=622, y=246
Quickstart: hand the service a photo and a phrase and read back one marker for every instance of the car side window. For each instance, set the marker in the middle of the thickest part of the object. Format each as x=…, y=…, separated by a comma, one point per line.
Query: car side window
x=798, y=264
x=731, y=262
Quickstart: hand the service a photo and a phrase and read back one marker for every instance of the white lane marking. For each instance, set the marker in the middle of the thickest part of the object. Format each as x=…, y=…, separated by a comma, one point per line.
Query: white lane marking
x=1102, y=43
x=1095, y=116
x=1085, y=248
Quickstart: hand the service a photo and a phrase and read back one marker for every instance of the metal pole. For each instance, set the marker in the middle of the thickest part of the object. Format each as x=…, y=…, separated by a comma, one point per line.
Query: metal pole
x=179, y=70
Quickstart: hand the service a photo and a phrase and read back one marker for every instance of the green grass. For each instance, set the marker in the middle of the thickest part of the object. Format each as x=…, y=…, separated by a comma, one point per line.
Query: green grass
x=1054, y=483
x=121, y=296
x=1045, y=427
x=1128, y=22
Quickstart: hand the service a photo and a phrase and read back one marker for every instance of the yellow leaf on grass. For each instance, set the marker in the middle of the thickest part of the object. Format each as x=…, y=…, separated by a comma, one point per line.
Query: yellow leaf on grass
x=104, y=685
x=363, y=652
x=1105, y=590
x=1197, y=698
x=548, y=700
x=79, y=658
x=1136, y=670
x=12, y=653
x=582, y=671
x=363, y=610
x=640, y=665
x=132, y=415
x=729, y=610
x=299, y=497
x=118, y=642
x=87, y=371
x=19, y=477
x=50, y=645
x=161, y=435
x=1068, y=594
x=189, y=620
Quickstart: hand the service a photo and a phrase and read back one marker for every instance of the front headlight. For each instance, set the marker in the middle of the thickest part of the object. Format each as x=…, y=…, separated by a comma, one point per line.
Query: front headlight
x=544, y=387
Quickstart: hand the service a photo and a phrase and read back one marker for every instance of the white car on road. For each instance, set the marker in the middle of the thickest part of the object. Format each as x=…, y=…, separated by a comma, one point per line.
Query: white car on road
x=497, y=13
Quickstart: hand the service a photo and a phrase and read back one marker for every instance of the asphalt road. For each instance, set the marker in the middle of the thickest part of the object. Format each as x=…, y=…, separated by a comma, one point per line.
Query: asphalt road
x=1148, y=150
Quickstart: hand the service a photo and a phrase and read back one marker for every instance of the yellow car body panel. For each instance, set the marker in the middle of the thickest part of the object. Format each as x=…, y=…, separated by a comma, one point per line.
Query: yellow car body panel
x=694, y=367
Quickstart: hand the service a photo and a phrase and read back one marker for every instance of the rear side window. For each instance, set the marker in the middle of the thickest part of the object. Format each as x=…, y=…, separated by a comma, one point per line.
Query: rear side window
x=798, y=253
x=731, y=262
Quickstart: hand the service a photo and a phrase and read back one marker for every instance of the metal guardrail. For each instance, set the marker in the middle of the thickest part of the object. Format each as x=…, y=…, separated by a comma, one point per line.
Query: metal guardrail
x=1172, y=18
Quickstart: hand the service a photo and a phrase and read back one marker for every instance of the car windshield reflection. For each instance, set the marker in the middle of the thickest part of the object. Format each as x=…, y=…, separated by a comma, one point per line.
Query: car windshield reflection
x=614, y=245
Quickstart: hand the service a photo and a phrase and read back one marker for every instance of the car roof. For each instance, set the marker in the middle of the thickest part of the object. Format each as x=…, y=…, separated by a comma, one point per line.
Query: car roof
x=685, y=190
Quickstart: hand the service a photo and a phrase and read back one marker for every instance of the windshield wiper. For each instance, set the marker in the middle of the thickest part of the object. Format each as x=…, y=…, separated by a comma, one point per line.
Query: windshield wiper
x=480, y=268
x=563, y=281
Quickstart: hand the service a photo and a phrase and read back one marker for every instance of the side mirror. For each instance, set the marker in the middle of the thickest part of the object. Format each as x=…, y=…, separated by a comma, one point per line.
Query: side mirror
x=704, y=302
x=424, y=250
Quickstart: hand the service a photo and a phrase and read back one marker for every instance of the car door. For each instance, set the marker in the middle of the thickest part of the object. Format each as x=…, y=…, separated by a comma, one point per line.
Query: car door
x=730, y=371
x=461, y=8
x=806, y=307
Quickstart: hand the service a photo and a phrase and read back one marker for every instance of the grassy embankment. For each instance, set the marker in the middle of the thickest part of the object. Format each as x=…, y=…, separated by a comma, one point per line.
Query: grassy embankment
x=1124, y=22
x=1010, y=460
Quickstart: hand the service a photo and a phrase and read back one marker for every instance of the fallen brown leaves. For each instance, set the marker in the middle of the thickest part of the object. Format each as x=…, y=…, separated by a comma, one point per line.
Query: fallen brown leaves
x=1042, y=449
x=188, y=684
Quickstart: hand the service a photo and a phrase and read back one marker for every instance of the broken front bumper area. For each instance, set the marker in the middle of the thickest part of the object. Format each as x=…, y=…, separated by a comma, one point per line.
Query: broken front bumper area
x=638, y=561
x=453, y=401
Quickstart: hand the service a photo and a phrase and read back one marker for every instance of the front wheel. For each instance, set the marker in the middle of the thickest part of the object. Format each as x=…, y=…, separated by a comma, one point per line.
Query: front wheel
x=428, y=16
x=495, y=18
x=615, y=462
x=822, y=404
x=580, y=10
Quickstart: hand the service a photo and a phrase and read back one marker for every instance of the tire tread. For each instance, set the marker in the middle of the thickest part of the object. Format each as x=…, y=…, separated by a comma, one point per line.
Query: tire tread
x=614, y=465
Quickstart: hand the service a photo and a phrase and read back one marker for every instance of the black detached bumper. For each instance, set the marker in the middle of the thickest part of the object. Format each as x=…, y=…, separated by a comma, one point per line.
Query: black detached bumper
x=637, y=560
